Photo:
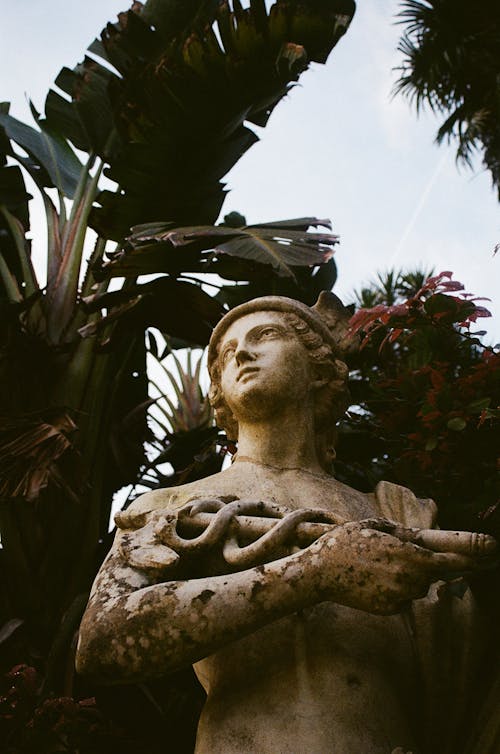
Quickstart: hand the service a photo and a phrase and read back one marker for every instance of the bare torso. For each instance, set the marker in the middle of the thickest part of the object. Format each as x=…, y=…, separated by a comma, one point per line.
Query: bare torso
x=310, y=678
x=337, y=678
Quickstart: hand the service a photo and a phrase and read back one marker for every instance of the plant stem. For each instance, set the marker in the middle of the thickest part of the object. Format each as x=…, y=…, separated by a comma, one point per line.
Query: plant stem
x=17, y=232
x=63, y=293
x=9, y=282
x=97, y=255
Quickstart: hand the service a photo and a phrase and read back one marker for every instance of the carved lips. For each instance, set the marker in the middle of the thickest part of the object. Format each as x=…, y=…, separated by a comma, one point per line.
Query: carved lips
x=246, y=372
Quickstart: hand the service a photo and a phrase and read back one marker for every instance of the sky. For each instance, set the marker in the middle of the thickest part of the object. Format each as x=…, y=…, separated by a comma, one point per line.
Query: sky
x=338, y=146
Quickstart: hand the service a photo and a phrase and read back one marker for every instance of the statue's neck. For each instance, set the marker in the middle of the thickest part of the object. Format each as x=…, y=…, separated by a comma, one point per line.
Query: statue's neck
x=287, y=441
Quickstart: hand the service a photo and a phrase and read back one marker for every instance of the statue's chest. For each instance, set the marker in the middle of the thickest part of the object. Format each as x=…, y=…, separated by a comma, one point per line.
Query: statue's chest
x=251, y=522
x=326, y=643
x=293, y=491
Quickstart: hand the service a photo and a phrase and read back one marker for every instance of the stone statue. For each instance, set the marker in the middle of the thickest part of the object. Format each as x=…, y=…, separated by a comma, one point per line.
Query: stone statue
x=307, y=607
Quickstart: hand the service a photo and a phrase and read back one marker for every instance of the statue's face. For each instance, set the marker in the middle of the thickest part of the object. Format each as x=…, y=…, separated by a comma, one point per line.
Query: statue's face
x=263, y=366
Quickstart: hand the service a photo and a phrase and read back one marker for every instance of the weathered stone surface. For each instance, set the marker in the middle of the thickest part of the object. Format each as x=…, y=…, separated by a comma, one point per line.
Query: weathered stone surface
x=302, y=648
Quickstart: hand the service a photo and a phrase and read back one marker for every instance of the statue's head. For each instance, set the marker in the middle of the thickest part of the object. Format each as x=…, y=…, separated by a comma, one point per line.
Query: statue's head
x=319, y=330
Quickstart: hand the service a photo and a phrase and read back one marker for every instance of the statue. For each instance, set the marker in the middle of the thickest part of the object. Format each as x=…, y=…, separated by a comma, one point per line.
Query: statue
x=307, y=608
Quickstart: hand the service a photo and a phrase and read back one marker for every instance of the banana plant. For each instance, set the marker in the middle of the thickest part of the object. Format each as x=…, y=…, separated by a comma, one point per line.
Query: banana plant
x=185, y=438
x=160, y=106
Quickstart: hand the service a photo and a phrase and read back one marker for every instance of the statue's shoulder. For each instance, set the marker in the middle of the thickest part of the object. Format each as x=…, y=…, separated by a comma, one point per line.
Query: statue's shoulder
x=392, y=501
x=401, y=505
x=167, y=499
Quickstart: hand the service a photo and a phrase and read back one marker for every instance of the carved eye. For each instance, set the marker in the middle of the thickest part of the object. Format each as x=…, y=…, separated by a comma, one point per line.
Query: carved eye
x=227, y=354
x=268, y=332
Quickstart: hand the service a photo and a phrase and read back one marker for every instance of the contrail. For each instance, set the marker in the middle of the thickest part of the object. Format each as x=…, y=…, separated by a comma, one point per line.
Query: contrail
x=418, y=209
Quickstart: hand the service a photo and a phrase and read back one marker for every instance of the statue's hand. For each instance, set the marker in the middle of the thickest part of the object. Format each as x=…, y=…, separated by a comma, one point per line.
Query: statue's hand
x=374, y=566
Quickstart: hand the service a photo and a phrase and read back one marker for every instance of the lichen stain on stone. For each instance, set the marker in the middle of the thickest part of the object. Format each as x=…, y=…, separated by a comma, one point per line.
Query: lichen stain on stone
x=118, y=650
x=257, y=588
x=204, y=596
x=133, y=604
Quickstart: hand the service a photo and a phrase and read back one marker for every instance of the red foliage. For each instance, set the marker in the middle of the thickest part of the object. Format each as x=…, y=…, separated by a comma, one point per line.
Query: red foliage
x=426, y=304
x=30, y=724
x=429, y=397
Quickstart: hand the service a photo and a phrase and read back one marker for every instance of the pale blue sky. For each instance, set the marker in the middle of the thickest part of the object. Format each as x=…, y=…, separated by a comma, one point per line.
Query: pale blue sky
x=338, y=147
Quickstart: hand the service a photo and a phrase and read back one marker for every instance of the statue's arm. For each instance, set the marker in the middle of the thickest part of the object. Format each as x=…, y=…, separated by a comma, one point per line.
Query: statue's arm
x=147, y=631
x=133, y=630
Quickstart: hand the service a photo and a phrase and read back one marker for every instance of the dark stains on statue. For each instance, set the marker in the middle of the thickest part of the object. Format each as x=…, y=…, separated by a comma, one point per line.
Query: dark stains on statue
x=204, y=596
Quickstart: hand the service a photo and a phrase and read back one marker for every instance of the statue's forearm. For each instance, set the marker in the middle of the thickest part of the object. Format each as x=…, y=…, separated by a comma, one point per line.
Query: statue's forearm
x=134, y=631
x=243, y=534
x=159, y=628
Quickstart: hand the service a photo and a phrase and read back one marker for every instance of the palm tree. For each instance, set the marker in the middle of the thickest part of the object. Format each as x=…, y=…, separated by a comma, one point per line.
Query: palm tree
x=451, y=62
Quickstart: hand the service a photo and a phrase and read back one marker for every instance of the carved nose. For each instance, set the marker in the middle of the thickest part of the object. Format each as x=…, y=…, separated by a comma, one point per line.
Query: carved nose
x=242, y=355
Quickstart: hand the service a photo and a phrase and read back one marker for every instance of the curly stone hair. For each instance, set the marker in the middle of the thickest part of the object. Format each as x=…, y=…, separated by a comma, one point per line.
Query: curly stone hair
x=331, y=400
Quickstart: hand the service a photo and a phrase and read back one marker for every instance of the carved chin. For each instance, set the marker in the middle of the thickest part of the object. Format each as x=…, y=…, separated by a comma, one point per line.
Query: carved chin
x=256, y=401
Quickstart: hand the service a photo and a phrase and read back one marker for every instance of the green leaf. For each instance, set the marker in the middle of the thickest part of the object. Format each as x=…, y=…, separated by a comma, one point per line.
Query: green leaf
x=281, y=251
x=448, y=309
x=87, y=120
x=13, y=194
x=479, y=405
x=172, y=17
x=177, y=309
x=5, y=147
x=457, y=424
x=298, y=223
x=181, y=109
x=16, y=271
x=9, y=628
x=274, y=245
x=51, y=151
x=252, y=253
x=63, y=118
x=150, y=259
x=306, y=285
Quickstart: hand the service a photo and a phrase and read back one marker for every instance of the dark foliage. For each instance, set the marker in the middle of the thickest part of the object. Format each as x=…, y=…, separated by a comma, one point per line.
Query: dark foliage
x=162, y=107
x=426, y=395
x=451, y=62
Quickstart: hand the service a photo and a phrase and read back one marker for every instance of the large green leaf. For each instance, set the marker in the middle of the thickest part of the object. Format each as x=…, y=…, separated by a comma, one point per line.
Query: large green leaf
x=16, y=273
x=178, y=309
x=172, y=17
x=14, y=248
x=267, y=255
x=63, y=118
x=13, y=194
x=278, y=245
x=170, y=120
x=5, y=147
x=280, y=250
x=151, y=258
x=306, y=285
x=49, y=149
x=88, y=119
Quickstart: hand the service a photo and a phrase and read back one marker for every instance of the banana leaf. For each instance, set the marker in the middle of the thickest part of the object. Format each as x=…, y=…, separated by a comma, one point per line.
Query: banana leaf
x=50, y=151
x=178, y=309
x=305, y=286
x=276, y=246
x=172, y=110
